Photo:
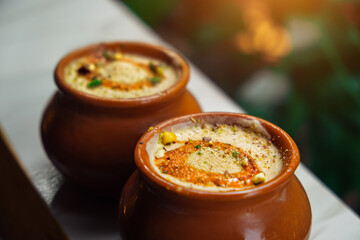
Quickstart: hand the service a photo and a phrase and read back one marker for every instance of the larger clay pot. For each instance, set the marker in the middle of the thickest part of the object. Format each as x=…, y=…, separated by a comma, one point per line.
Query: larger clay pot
x=91, y=139
x=154, y=208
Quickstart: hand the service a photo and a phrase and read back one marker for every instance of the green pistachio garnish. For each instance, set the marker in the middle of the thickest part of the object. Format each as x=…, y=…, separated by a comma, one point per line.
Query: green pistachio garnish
x=107, y=55
x=259, y=178
x=95, y=82
x=235, y=154
x=154, y=80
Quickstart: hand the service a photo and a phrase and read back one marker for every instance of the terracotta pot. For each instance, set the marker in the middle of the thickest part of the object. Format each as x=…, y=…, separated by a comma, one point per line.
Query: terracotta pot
x=90, y=139
x=153, y=208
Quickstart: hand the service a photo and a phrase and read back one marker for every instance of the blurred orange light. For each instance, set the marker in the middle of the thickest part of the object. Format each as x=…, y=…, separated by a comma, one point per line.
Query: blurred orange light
x=261, y=35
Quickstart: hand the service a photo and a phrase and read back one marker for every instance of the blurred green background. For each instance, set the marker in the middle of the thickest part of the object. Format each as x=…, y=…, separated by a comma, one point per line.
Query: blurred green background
x=295, y=63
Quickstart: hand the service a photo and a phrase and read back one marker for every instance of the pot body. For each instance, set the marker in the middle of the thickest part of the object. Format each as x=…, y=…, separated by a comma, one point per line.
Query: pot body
x=93, y=146
x=149, y=213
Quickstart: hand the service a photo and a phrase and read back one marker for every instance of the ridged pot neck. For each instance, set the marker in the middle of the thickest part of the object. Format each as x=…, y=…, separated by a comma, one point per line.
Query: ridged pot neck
x=280, y=138
x=147, y=50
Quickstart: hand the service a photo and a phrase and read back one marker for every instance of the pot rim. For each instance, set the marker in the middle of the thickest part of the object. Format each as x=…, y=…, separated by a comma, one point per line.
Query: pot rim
x=292, y=161
x=176, y=59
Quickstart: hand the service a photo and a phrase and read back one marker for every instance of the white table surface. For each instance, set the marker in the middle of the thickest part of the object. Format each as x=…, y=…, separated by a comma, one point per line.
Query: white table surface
x=34, y=35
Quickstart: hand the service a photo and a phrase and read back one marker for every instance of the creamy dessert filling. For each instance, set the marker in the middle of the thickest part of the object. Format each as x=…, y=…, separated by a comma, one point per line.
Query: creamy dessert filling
x=215, y=157
x=114, y=74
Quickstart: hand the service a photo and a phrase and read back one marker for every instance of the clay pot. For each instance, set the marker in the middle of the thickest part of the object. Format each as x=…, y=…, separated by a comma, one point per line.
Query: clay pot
x=153, y=208
x=90, y=139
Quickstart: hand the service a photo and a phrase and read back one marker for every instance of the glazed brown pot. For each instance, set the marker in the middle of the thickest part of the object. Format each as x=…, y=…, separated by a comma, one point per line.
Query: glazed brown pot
x=91, y=139
x=153, y=208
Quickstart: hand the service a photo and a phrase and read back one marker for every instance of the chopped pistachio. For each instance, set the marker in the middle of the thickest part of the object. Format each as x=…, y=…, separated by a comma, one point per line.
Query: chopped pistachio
x=235, y=154
x=168, y=138
x=259, y=178
x=245, y=162
x=197, y=146
x=154, y=80
x=160, y=137
x=83, y=70
x=107, y=54
x=152, y=67
x=91, y=67
x=117, y=56
x=160, y=71
x=95, y=82
x=207, y=139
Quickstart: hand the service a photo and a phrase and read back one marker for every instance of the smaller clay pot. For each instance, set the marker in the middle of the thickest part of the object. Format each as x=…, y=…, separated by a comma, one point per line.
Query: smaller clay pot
x=91, y=139
x=154, y=208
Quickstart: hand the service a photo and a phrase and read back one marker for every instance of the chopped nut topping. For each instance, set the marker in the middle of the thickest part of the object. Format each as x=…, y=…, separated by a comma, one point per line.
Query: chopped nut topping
x=207, y=139
x=245, y=162
x=259, y=178
x=168, y=138
x=83, y=70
